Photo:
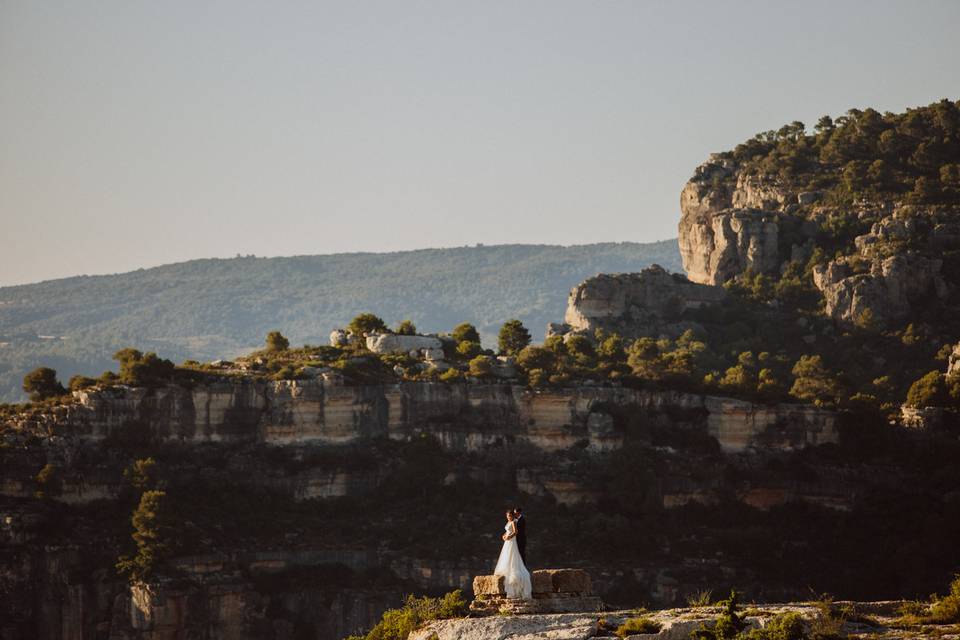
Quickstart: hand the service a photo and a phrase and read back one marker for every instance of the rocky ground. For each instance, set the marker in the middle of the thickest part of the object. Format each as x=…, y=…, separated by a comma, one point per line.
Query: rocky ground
x=861, y=620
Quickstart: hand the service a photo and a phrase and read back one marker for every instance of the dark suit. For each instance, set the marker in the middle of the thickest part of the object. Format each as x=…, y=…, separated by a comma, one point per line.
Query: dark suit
x=521, y=523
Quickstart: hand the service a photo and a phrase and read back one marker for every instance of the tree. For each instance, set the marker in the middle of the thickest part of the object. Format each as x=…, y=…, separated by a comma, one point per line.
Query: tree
x=480, y=367
x=367, y=323
x=513, y=337
x=78, y=382
x=929, y=391
x=407, y=328
x=468, y=348
x=813, y=382
x=532, y=357
x=139, y=370
x=465, y=332
x=153, y=533
x=42, y=383
x=277, y=342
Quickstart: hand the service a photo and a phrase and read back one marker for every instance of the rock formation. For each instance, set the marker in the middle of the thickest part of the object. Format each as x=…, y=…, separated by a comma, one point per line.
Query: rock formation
x=634, y=304
x=554, y=591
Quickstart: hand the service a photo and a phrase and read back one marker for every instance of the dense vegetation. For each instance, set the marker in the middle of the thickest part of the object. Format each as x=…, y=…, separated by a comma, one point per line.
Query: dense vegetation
x=208, y=309
x=865, y=154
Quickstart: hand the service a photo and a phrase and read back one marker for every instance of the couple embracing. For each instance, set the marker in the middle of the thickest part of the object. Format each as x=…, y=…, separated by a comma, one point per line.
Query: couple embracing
x=511, y=564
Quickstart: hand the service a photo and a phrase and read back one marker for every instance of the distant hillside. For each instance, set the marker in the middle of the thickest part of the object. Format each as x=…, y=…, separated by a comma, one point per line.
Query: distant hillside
x=206, y=309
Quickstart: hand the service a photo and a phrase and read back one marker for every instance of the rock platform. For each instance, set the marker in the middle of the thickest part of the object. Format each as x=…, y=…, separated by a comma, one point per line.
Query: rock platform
x=554, y=591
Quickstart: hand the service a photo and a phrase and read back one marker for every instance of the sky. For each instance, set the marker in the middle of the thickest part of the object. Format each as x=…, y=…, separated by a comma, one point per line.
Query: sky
x=137, y=133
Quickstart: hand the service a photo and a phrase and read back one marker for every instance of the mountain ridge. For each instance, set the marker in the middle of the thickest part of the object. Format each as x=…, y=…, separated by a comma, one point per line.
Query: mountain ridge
x=219, y=307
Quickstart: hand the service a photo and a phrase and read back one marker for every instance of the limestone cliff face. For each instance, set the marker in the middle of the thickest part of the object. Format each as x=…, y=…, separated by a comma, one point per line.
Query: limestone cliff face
x=892, y=270
x=464, y=417
x=725, y=231
x=636, y=304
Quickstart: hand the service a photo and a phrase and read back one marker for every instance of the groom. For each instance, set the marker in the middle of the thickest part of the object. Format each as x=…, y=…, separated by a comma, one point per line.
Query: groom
x=521, y=533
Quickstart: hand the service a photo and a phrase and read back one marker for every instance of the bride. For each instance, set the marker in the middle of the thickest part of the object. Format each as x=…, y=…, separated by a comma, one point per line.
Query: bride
x=510, y=564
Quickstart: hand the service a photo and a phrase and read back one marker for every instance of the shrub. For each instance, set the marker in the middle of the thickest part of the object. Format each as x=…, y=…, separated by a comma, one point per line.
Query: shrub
x=47, y=480
x=141, y=473
x=42, y=383
x=638, y=625
x=784, y=626
x=946, y=610
x=700, y=598
x=813, y=382
x=929, y=391
x=538, y=378
x=407, y=328
x=513, y=337
x=481, y=367
x=451, y=375
x=80, y=382
x=468, y=349
x=277, y=342
x=397, y=624
x=728, y=625
x=367, y=323
x=140, y=370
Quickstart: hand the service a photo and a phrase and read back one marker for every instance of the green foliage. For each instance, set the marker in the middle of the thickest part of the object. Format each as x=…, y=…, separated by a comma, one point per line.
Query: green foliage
x=633, y=626
x=406, y=328
x=468, y=349
x=480, y=367
x=946, y=609
x=729, y=625
x=929, y=391
x=153, y=533
x=532, y=357
x=813, y=382
x=397, y=624
x=42, y=383
x=701, y=598
x=141, y=473
x=142, y=370
x=78, y=382
x=783, y=626
x=465, y=332
x=277, y=342
x=513, y=338
x=367, y=323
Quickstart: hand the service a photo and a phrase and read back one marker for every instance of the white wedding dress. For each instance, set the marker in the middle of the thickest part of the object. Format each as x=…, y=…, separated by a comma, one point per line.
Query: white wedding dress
x=510, y=565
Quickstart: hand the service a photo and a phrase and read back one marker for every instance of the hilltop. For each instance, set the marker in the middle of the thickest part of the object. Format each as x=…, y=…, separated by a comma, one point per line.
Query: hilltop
x=207, y=309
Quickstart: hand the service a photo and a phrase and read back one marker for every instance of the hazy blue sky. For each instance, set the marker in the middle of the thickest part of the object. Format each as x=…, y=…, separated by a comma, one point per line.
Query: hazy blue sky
x=138, y=133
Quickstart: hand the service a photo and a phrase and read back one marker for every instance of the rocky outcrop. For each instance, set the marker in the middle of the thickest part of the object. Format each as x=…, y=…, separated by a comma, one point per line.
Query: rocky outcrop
x=875, y=618
x=635, y=304
x=884, y=277
x=726, y=230
x=429, y=347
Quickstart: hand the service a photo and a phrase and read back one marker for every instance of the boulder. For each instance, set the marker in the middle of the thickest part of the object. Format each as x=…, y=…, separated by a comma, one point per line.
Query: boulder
x=489, y=586
x=394, y=343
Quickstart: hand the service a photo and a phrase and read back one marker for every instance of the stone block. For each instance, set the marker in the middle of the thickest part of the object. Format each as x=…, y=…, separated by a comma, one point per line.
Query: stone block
x=561, y=581
x=489, y=586
x=542, y=581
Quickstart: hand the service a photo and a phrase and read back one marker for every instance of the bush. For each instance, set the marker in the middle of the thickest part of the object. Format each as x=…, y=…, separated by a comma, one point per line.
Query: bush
x=928, y=391
x=397, y=624
x=80, y=382
x=468, y=349
x=451, y=375
x=407, y=328
x=481, y=367
x=42, y=383
x=784, y=626
x=728, y=626
x=531, y=358
x=638, y=625
x=277, y=342
x=946, y=610
x=367, y=323
x=141, y=370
